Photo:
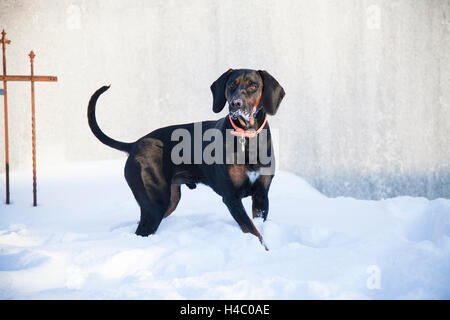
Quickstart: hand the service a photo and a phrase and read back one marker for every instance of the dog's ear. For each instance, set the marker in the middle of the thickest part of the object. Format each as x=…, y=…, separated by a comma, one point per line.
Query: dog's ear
x=218, y=91
x=272, y=93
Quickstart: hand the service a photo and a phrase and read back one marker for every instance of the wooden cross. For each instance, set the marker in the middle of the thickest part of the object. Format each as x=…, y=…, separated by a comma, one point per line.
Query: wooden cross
x=31, y=78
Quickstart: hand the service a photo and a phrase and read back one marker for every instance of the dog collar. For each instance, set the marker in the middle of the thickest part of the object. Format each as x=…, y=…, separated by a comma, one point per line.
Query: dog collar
x=246, y=133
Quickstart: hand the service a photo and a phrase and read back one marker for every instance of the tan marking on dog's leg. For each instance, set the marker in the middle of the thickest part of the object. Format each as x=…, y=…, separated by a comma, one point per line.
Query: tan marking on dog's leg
x=255, y=232
x=175, y=195
x=237, y=174
x=244, y=229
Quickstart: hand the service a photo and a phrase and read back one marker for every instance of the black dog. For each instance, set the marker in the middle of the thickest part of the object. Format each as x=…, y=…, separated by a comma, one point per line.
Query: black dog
x=155, y=179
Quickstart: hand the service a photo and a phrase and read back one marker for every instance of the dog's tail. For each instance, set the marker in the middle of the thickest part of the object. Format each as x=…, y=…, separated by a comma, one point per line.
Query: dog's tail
x=122, y=146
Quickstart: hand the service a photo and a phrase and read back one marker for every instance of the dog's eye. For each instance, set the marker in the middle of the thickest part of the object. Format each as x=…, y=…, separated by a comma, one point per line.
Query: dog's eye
x=253, y=87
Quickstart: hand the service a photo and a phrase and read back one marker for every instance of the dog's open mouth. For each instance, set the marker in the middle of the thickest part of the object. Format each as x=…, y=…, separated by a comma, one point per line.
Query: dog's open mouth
x=244, y=119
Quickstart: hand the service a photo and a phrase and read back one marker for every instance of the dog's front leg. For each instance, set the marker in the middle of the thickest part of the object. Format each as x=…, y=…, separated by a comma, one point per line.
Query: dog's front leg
x=260, y=204
x=260, y=199
x=237, y=210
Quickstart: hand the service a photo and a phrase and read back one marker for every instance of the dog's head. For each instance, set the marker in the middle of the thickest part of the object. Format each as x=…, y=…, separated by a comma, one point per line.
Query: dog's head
x=247, y=93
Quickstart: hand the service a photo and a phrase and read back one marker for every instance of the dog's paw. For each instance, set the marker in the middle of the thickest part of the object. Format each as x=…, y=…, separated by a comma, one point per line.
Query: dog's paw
x=143, y=230
x=260, y=213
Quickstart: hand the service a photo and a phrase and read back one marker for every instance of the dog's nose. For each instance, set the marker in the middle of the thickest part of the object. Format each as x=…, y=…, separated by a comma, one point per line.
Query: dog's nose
x=237, y=103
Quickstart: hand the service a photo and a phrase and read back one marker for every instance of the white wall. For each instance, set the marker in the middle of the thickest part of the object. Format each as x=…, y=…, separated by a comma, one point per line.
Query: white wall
x=367, y=106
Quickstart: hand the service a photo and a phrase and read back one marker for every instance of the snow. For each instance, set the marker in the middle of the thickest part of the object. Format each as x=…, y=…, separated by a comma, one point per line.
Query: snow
x=79, y=243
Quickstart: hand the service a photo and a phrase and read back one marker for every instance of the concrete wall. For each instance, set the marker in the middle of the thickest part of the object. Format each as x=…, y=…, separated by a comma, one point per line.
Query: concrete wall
x=367, y=106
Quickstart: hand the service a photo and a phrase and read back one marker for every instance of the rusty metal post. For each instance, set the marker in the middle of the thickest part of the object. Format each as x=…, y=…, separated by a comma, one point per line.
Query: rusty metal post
x=5, y=108
x=32, y=78
x=33, y=128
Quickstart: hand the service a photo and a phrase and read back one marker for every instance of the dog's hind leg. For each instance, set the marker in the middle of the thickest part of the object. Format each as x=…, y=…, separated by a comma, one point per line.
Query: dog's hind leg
x=154, y=201
x=151, y=189
x=149, y=222
x=175, y=195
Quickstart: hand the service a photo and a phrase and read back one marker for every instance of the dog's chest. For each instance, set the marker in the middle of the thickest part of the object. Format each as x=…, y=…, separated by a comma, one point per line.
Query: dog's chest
x=241, y=175
x=252, y=175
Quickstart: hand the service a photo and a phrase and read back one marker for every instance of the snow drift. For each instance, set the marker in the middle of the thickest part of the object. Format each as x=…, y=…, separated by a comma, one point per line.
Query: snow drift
x=79, y=243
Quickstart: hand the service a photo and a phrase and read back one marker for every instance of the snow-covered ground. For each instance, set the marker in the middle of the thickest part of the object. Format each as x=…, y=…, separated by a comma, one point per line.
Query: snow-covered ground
x=80, y=243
